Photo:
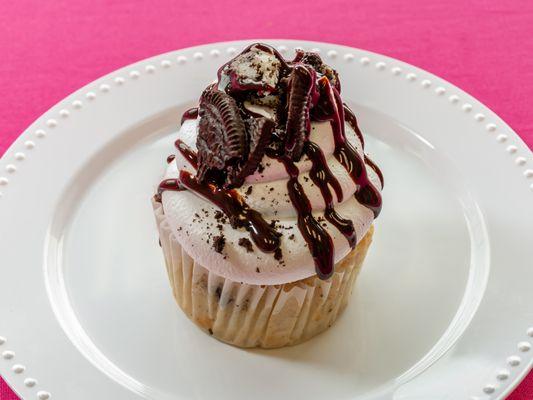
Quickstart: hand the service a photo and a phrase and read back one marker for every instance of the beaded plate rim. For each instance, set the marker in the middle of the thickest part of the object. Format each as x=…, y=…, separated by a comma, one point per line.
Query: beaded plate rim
x=28, y=142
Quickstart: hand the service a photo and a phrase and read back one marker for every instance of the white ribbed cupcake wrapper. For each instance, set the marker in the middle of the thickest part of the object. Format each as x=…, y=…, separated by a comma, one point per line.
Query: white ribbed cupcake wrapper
x=265, y=316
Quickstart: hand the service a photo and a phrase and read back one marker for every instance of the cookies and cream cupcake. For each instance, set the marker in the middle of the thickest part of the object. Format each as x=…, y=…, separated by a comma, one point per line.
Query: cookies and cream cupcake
x=265, y=211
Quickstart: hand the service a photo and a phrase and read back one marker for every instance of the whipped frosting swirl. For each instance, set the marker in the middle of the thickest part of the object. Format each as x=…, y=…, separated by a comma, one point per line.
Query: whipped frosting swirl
x=276, y=161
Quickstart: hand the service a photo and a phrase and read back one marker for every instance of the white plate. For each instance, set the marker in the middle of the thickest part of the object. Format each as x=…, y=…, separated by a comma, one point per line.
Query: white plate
x=442, y=309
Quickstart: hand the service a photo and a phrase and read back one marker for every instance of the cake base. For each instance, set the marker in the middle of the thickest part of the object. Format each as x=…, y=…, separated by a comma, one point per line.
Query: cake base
x=267, y=316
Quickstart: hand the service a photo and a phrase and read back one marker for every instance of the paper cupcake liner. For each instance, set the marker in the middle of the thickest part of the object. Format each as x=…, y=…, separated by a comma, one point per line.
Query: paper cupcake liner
x=267, y=316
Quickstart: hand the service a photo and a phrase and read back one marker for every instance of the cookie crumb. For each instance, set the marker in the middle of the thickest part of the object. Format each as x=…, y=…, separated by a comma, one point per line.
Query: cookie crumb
x=245, y=242
x=218, y=243
x=278, y=255
x=249, y=190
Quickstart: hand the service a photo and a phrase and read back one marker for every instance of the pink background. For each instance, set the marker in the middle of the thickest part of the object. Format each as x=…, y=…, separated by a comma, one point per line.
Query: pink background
x=50, y=49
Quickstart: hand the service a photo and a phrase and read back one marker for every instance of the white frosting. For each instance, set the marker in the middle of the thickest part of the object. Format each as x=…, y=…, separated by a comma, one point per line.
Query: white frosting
x=192, y=217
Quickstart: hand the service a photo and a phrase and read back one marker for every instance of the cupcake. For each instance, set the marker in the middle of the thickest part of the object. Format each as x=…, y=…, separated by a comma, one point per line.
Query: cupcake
x=266, y=209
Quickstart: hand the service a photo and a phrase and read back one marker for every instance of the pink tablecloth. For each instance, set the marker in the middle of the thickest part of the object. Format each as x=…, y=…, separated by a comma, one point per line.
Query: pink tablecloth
x=51, y=48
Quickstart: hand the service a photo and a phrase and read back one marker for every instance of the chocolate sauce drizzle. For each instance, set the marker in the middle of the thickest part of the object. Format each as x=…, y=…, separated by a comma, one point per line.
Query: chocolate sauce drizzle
x=168, y=184
x=191, y=113
x=376, y=169
x=239, y=213
x=171, y=158
x=316, y=237
x=189, y=154
x=322, y=177
x=346, y=154
x=350, y=117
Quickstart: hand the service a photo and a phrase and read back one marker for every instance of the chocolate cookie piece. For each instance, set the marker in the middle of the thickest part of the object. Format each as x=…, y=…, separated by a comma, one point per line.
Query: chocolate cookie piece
x=300, y=93
x=259, y=137
x=221, y=140
x=315, y=61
